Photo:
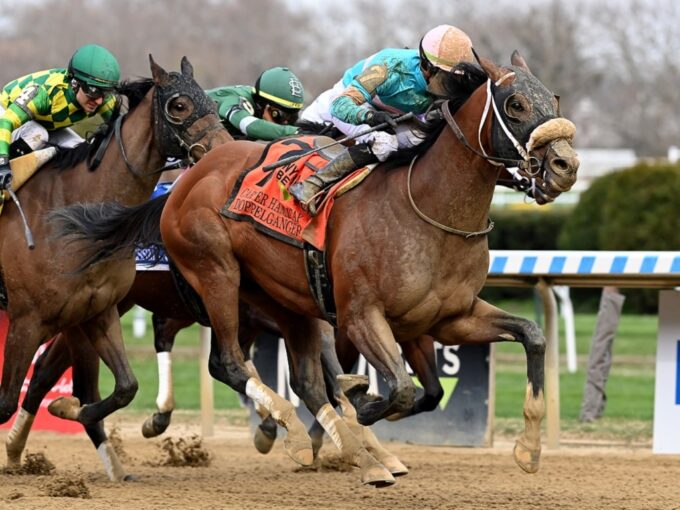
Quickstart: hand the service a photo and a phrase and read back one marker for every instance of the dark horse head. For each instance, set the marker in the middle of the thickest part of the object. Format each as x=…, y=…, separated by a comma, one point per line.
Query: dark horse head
x=179, y=104
x=528, y=137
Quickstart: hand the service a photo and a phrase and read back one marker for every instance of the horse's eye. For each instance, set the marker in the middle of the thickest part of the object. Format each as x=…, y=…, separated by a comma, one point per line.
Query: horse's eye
x=179, y=106
x=516, y=106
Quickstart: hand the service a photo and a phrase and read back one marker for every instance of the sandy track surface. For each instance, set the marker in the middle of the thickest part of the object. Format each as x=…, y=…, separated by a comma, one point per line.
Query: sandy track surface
x=238, y=477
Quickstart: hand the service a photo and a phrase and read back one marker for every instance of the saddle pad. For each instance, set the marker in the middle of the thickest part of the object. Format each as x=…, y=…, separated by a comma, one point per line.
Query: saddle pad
x=147, y=259
x=24, y=167
x=261, y=196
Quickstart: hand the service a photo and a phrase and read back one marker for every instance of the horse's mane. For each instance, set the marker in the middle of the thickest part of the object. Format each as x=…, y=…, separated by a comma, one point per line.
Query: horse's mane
x=134, y=91
x=459, y=84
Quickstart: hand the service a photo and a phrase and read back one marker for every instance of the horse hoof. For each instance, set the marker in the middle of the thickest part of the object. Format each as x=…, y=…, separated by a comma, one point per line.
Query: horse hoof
x=377, y=475
x=526, y=458
x=67, y=408
x=300, y=453
x=394, y=466
x=130, y=478
x=263, y=443
x=155, y=424
x=349, y=382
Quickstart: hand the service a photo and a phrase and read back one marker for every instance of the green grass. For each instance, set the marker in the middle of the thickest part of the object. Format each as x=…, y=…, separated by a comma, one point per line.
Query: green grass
x=630, y=389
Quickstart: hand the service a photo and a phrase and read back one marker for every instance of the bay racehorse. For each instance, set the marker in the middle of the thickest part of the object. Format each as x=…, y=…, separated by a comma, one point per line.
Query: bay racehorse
x=167, y=115
x=406, y=250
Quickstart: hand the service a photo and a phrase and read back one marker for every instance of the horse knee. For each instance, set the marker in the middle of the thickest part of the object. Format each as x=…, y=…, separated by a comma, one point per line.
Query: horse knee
x=533, y=338
x=125, y=393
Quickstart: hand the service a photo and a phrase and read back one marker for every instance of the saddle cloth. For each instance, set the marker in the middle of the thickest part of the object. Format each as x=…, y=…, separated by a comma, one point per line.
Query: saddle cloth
x=24, y=167
x=261, y=195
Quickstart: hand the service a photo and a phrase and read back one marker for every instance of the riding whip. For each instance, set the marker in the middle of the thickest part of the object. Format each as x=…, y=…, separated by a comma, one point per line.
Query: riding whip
x=291, y=159
x=27, y=230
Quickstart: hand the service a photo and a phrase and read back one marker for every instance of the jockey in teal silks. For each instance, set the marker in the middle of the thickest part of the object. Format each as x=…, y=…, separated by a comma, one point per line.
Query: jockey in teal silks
x=389, y=83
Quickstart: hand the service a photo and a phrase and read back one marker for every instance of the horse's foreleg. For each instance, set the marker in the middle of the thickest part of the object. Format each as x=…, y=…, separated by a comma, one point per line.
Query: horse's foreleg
x=23, y=339
x=105, y=334
x=486, y=323
x=164, y=333
x=373, y=337
x=307, y=379
x=49, y=367
x=421, y=358
x=332, y=368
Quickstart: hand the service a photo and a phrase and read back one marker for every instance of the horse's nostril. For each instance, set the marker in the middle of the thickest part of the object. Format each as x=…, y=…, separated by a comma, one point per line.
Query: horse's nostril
x=559, y=164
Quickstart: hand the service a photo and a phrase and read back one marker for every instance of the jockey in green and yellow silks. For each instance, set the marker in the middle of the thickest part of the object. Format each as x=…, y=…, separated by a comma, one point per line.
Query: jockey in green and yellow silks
x=36, y=107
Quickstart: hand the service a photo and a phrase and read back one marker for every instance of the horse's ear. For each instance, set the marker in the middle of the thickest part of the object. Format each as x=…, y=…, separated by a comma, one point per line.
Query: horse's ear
x=518, y=60
x=491, y=69
x=187, y=68
x=159, y=74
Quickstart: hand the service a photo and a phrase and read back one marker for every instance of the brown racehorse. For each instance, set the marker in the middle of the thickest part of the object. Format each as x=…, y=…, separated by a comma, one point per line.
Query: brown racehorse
x=168, y=115
x=398, y=270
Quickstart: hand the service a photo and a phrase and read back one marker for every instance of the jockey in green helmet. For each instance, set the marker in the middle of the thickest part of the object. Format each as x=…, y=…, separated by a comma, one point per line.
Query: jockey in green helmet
x=266, y=111
x=42, y=105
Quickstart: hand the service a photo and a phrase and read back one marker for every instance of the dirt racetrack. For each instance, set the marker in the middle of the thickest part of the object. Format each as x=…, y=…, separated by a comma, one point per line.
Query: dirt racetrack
x=583, y=478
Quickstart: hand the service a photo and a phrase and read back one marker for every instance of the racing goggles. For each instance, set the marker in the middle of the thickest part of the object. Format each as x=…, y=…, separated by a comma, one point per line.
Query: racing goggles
x=283, y=115
x=92, y=92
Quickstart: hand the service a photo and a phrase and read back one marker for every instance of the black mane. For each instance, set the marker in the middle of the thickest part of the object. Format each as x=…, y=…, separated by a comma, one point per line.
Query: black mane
x=459, y=84
x=134, y=91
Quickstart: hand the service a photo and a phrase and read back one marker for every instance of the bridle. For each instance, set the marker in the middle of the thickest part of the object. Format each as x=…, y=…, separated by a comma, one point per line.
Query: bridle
x=170, y=131
x=524, y=171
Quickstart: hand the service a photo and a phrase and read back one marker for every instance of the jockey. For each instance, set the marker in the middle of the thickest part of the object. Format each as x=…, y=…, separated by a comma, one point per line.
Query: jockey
x=40, y=106
x=264, y=112
x=390, y=82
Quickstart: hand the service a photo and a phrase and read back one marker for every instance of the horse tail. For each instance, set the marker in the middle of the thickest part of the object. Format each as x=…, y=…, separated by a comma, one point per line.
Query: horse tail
x=112, y=229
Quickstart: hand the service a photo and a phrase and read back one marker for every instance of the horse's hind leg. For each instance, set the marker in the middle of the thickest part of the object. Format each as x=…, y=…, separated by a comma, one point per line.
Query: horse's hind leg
x=164, y=332
x=86, y=390
x=106, y=337
x=486, y=324
x=304, y=349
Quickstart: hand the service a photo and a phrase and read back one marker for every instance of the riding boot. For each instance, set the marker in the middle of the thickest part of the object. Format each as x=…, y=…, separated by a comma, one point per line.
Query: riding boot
x=354, y=157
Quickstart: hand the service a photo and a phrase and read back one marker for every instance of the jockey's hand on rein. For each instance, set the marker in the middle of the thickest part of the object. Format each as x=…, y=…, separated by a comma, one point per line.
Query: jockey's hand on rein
x=375, y=118
x=5, y=174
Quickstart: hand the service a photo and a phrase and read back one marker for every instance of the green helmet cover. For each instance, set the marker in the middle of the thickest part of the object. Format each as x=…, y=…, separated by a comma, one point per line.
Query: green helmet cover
x=279, y=85
x=96, y=66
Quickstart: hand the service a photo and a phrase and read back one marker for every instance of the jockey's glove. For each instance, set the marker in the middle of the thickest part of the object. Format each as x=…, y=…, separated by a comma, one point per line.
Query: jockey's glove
x=377, y=117
x=5, y=173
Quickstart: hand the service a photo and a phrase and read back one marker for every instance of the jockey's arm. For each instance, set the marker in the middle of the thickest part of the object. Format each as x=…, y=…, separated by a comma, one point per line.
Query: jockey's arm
x=254, y=128
x=33, y=101
x=348, y=106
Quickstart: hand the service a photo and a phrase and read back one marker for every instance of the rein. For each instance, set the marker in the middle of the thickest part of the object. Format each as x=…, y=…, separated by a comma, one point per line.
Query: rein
x=434, y=223
x=530, y=164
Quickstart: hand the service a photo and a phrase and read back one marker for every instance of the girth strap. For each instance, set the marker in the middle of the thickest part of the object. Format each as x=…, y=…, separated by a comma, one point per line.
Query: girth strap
x=320, y=283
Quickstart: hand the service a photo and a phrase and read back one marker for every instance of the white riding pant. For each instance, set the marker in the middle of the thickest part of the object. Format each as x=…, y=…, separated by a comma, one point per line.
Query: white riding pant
x=35, y=135
x=382, y=144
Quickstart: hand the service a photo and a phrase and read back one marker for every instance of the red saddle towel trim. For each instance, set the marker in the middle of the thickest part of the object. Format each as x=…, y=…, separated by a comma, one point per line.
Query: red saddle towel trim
x=261, y=196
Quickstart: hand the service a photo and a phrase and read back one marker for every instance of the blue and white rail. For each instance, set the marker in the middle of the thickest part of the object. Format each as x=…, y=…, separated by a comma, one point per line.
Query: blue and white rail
x=650, y=269
x=655, y=269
